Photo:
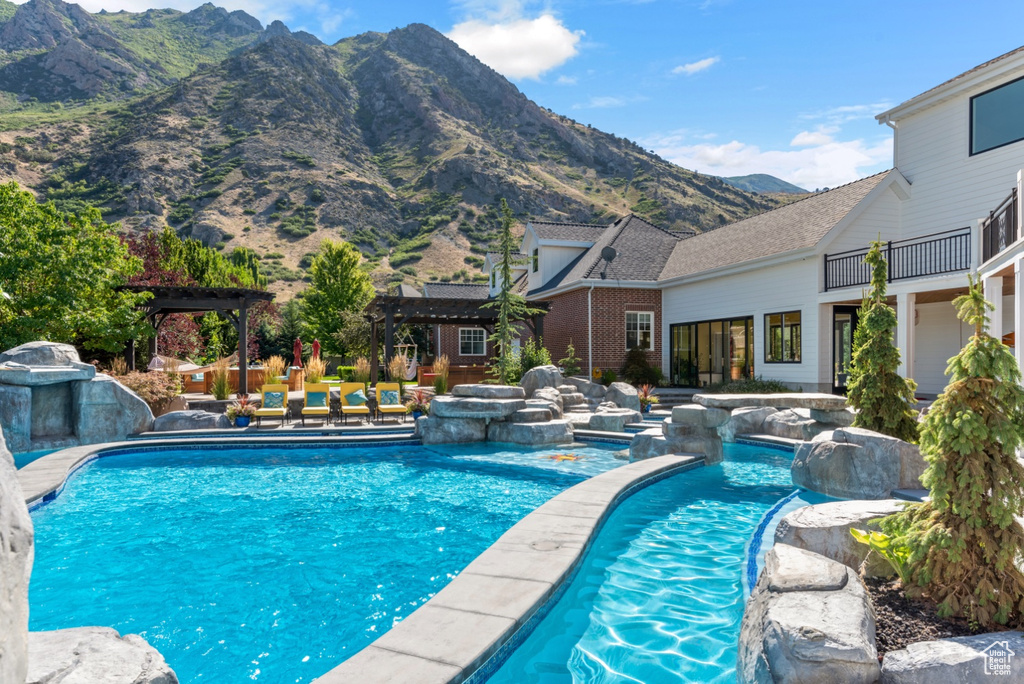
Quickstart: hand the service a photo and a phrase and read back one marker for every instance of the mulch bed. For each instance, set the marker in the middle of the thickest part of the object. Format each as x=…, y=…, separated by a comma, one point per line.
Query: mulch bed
x=900, y=621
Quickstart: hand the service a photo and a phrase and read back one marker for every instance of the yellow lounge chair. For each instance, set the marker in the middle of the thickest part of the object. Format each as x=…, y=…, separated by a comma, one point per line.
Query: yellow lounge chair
x=275, y=411
x=390, y=408
x=321, y=405
x=347, y=407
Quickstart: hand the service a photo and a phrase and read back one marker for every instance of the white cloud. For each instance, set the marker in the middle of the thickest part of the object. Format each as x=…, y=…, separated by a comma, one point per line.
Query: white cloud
x=602, y=102
x=847, y=113
x=566, y=80
x=818, y=161
x=695, y=67
x=518, y=47
x=821, y=136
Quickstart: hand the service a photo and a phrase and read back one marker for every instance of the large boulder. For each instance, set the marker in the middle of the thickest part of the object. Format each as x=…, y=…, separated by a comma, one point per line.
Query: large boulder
x=43, y=353
x=15, y=566
x=825, y=529
x=489, y=391
x=805, y=400
x=107, y=411
x=551, y=398
x=976, y=658
x=94, y=655
x=532, y=414
x=16, y=416
x=690, y=417
x=793, y=424
x=433, y=430
x=833, y=419
x=623, y=395
x=748, y=420
x=541, y=376
x=531, y=434
x=190, y=420
x=468, y=407
x=651, y=443
x=613, y=420
x=808, y=620
x=853, y=463
x=591, y=390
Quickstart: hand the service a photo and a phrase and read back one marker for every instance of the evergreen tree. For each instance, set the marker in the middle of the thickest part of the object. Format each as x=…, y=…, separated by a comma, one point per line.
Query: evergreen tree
x=965, y=542
x=883, y=398
x=511, y=306
x=571, y=363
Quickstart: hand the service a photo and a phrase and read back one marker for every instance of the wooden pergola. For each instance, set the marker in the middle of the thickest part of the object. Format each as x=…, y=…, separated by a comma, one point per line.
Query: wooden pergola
x=168, y=300
x=392, y=311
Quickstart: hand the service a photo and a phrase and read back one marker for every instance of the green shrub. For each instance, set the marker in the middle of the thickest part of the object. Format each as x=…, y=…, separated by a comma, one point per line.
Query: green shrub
x=756, y=385
x=638, y=370
x=533, y=354
x=403, y=258
x=571, y=363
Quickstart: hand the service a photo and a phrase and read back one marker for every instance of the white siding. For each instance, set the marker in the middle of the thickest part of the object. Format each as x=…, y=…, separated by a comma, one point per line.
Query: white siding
x=880, y=218
x=552, y=261
x=789, y=287
x=938, y=335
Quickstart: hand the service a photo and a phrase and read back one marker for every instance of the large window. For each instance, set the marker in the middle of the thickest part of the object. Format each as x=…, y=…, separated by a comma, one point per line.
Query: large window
x=710, y=352
x=472, y=342
x=996, y=118
x=639, y=327
x=782, y=337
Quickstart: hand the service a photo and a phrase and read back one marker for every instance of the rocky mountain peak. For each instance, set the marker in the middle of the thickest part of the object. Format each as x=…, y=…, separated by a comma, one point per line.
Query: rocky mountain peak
x=43, y=24
x=217, y=20
x=277, y=29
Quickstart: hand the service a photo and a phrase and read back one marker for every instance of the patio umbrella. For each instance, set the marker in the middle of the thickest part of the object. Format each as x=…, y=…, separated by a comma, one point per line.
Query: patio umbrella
x=297, y=362
x=316, y=349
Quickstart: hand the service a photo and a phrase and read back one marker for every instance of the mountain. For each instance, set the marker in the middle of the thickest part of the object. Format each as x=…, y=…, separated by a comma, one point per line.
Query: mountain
x=763, y=183
x=401, y=143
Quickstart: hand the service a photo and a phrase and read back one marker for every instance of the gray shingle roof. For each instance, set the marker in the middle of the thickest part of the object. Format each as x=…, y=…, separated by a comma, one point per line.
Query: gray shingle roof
x=575, y=232
x=794, y=226
x=642, y=249
x=456, y=290
x=404, y=290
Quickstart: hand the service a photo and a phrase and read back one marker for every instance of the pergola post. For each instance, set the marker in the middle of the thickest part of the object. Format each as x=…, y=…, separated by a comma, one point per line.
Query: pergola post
x=154, y=348
x=389, y=339
x=373, y=352
x=243, y=347
x=538, y=327
x=129, y=354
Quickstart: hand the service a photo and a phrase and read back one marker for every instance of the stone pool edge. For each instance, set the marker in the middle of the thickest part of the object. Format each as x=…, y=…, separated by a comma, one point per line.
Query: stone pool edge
x=506, y=588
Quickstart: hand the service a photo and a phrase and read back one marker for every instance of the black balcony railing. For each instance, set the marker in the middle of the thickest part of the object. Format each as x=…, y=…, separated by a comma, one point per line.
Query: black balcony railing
x=999, y=230
x=934, y=254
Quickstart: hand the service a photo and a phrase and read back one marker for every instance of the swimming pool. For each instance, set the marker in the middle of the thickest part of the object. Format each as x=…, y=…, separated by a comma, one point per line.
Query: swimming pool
x=275, y=564
x=659, y=596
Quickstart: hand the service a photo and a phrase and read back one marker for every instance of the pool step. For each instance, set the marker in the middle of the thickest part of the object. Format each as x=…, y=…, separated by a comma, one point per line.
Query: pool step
x=770, y=440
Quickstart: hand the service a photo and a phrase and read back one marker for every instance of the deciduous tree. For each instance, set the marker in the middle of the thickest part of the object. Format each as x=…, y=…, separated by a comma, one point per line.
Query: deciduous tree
x=338, y=285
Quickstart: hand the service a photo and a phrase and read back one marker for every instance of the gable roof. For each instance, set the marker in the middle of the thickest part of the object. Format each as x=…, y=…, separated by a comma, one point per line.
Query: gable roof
x=573, y=232
x=642, y=249
x=795, y=226
x=456, y=290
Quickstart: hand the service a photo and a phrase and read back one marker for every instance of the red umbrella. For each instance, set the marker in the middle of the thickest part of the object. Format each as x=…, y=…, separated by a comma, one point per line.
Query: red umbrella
x=297, y=362
x=316, y=349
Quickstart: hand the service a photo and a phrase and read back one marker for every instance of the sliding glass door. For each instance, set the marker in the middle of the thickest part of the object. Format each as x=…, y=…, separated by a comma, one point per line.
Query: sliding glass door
x=709, y=352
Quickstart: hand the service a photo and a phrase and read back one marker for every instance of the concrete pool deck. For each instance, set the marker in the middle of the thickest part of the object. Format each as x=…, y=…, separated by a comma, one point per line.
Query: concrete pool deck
x=483, y=610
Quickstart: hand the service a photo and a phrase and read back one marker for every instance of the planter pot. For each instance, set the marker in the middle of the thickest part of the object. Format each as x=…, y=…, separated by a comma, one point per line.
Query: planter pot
x=646, y=408
x=416, y=414
x=242, y=421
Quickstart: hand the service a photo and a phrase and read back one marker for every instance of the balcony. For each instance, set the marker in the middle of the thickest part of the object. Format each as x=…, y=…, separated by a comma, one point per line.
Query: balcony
x=1000, y=229
x=927, y=255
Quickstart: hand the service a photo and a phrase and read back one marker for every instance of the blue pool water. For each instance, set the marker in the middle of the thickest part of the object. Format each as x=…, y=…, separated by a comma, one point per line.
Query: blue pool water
x=659, y=596
x=275, y=564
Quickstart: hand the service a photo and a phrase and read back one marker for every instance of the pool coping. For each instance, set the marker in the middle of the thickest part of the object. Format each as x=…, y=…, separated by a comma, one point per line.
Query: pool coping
x=485, y=611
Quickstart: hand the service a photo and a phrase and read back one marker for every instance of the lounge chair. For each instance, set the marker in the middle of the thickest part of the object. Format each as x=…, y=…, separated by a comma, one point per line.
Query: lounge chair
x=351, y=404
x=317, y=401
x=273, y=403
x=389, y=400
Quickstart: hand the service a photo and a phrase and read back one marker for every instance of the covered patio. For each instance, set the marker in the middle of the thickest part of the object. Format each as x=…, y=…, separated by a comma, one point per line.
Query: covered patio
x=233, y=302
x=392, y=311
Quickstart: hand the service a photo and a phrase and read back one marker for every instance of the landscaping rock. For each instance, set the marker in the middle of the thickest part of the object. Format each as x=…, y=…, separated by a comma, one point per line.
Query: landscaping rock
x=489, y=391
x=16, y=417
x=15, y=567
x=541, y=376
x=748, y=420
x=853, y=463
x=463, y=407
x=833, y=418
x=825, y=529
x=434, y=430
x=531, y=415
x=94, y=655
x=806, y=400
x=578, y=420
x=623, y=395
x=591, y=390
x=793, y=424
x=976, y=658
x=808, y=620
x=531, y=434
x=614, y=420
x=698, y=416
x=42, y=353
x=107, y=411
x=552, y=398
x=190, y=420
x=648, y=444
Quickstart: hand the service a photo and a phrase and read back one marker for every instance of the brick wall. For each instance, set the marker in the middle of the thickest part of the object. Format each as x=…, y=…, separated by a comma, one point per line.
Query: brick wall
x=450, y=346
x=567, y=319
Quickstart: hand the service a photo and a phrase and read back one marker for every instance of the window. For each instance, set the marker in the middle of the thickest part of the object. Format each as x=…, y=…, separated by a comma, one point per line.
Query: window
x=639, y=325
x=782, y=337
x=996, y=118
x=710, y=352
x=472, y=342
x=536, y=259
x=494, y=279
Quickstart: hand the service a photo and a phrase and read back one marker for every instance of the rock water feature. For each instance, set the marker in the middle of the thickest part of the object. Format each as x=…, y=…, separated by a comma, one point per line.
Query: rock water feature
x=49, y=399
x=690, y=430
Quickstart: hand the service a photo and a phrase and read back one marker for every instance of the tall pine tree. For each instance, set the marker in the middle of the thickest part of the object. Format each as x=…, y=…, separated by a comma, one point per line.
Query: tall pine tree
x=882, y=397
x=965, y=541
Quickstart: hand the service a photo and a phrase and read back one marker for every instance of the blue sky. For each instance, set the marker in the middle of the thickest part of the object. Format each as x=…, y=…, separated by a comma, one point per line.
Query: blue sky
x=727, y=87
